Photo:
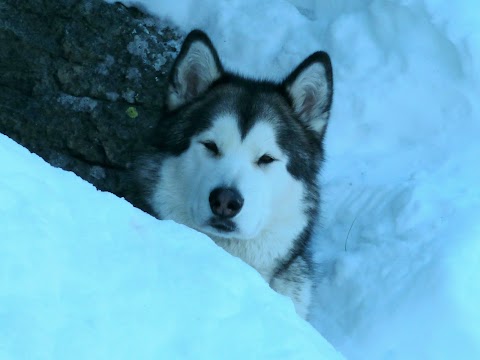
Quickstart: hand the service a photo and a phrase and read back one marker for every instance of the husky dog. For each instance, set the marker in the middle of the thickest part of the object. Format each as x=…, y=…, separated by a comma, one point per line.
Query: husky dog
x=237, y=159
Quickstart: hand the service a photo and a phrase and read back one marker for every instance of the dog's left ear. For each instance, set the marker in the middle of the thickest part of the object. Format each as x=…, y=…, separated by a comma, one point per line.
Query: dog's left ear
x=310, y=87
x=196, y=67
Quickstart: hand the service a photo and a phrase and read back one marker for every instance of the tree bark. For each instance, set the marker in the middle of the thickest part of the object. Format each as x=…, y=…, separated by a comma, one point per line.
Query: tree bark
x=82, y=83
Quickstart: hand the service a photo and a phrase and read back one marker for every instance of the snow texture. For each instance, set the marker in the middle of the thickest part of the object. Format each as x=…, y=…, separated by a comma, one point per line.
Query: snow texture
x=85, y=275
x=399, y=243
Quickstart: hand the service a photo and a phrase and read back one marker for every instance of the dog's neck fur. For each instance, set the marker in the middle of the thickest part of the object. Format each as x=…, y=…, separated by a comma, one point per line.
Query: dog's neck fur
x=268, y=249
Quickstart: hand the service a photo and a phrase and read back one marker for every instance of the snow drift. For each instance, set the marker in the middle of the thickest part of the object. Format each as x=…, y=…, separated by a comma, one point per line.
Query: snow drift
x=399, y=241
x=84, y=275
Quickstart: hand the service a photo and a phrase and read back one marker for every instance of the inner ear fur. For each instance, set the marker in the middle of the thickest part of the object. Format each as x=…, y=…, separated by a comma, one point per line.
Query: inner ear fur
x=310, y=87
x=196, y=67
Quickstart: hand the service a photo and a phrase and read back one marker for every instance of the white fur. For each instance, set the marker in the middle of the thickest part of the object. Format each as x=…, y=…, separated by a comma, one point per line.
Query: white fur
x=273, y=213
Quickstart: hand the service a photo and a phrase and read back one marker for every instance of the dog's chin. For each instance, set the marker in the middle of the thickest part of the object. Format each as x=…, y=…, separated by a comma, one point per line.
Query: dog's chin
x=223, y=229
x=219, y=234
x=220, y=228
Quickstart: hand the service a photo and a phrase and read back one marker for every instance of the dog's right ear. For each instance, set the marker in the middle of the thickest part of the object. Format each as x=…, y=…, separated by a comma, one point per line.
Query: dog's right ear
x=194, y=70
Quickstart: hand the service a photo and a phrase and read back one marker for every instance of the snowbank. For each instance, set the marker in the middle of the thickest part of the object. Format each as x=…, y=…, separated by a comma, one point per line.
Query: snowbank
x=84, y=275
x=402, y=160
x=399, y=246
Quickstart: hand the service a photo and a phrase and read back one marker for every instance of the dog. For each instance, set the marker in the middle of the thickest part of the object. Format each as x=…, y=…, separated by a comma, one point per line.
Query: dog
x=238, y=160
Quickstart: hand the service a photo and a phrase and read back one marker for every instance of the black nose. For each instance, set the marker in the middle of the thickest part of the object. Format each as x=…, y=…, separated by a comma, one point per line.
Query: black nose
x=225, y=202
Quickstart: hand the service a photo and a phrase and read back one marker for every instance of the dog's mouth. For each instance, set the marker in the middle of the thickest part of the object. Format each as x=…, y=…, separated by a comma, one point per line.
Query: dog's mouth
x=222, y=225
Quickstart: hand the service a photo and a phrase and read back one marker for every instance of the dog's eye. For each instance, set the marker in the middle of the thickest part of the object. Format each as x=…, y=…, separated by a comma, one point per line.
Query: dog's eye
x=211, y=146
x=265, y=159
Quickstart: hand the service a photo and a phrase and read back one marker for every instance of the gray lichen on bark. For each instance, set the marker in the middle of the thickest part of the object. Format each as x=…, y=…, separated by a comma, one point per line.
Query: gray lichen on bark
x=82, y=83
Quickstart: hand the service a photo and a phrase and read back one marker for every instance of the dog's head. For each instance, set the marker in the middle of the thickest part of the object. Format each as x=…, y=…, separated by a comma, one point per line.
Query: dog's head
x=240, y=156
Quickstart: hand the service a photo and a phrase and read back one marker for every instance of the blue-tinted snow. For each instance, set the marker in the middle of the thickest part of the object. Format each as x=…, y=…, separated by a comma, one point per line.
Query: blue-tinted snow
x=402, y=160
x=84, y=275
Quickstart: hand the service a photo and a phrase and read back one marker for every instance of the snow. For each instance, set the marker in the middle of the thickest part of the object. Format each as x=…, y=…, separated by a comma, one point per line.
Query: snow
x=399, y=241
x=85, y=275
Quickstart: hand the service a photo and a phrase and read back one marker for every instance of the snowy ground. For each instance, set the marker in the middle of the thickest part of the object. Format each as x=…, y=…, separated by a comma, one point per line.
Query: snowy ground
x=402, y=167
x=399, y=245
x=84, y=275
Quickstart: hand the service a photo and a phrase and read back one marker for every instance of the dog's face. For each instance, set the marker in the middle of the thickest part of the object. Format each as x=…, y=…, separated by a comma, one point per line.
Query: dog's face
x=229, y=185
x=240, y=156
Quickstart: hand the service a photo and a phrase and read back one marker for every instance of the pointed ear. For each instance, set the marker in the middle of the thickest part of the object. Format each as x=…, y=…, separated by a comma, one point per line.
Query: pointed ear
x=196, y=67
x=310, y=87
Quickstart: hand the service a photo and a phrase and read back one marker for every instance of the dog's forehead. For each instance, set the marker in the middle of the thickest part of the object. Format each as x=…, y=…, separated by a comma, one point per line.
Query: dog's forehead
x=262, y=131
x=234, y=113
x=260, y=111
x=227, y=128
x=225, y=125
x=249, y=105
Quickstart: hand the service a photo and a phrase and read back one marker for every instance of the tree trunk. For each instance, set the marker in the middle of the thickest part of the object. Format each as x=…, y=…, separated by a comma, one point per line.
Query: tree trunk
x=81, y=83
